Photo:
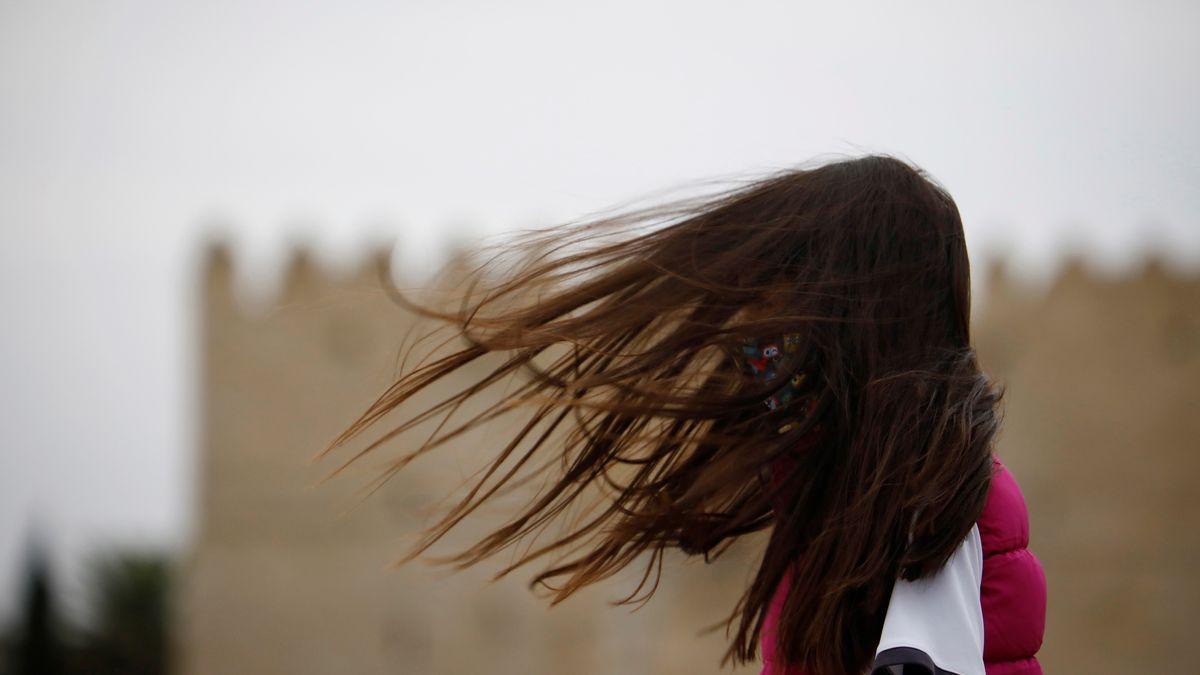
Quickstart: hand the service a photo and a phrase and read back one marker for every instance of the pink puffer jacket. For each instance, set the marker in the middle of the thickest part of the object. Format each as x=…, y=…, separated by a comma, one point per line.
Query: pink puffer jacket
x=1012, y=592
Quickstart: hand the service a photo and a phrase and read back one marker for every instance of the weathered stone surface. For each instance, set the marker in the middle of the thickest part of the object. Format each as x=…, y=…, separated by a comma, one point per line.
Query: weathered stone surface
x=1101, y=428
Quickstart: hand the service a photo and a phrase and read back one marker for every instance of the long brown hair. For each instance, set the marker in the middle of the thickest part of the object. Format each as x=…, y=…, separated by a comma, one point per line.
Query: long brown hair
x=640, y=315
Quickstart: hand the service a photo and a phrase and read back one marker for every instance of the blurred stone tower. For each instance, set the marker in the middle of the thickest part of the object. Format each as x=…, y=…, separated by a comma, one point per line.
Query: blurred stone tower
x=1101, y=427
x=279, y=582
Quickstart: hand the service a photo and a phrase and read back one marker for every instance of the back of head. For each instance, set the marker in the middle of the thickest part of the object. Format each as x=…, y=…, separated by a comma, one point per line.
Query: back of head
x=871, y=268
x=862, y=265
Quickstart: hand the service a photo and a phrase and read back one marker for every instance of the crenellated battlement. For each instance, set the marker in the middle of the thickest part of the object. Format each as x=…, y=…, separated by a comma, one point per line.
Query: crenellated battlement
x=304, y=277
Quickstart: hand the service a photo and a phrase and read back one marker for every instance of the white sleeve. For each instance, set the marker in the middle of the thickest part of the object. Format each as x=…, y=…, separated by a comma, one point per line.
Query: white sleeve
x=936, y=624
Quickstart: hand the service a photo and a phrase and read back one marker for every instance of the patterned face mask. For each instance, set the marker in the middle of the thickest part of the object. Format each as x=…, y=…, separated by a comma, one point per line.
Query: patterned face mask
x=772, y=359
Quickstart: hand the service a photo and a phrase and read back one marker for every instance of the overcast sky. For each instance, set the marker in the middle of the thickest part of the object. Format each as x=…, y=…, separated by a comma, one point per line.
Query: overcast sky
x=127, y=127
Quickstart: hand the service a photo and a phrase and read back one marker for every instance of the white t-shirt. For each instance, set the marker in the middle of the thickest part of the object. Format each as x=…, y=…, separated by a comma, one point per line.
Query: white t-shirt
x=935, y=624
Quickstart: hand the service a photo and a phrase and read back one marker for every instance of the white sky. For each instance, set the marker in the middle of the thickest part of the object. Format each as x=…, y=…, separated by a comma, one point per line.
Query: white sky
x=126, y=127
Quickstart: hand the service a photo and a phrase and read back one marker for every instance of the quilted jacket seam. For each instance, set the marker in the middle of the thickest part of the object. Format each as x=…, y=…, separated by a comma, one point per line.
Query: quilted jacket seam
x=1006, y=552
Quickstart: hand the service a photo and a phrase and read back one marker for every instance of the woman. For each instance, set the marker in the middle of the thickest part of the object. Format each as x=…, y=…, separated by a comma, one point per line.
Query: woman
x=791, y=354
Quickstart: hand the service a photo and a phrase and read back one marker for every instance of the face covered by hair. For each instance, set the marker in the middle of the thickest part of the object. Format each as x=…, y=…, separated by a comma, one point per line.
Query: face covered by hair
x=778, y=359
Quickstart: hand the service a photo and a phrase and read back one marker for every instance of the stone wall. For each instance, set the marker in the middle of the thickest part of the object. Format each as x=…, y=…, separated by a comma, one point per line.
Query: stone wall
x=1101, y=428
x=1101, y=422
x=291, y=577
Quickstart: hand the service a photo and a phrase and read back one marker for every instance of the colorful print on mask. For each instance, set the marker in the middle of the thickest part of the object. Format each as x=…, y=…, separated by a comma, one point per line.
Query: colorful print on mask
x=770, y=359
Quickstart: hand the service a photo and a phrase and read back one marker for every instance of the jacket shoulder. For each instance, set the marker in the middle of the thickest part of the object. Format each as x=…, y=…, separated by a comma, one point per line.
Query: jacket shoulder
x=1013, y=592
x=1004, y=524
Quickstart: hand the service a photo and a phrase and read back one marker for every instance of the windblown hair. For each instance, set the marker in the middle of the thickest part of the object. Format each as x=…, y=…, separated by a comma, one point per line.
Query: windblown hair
x=640, y=315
